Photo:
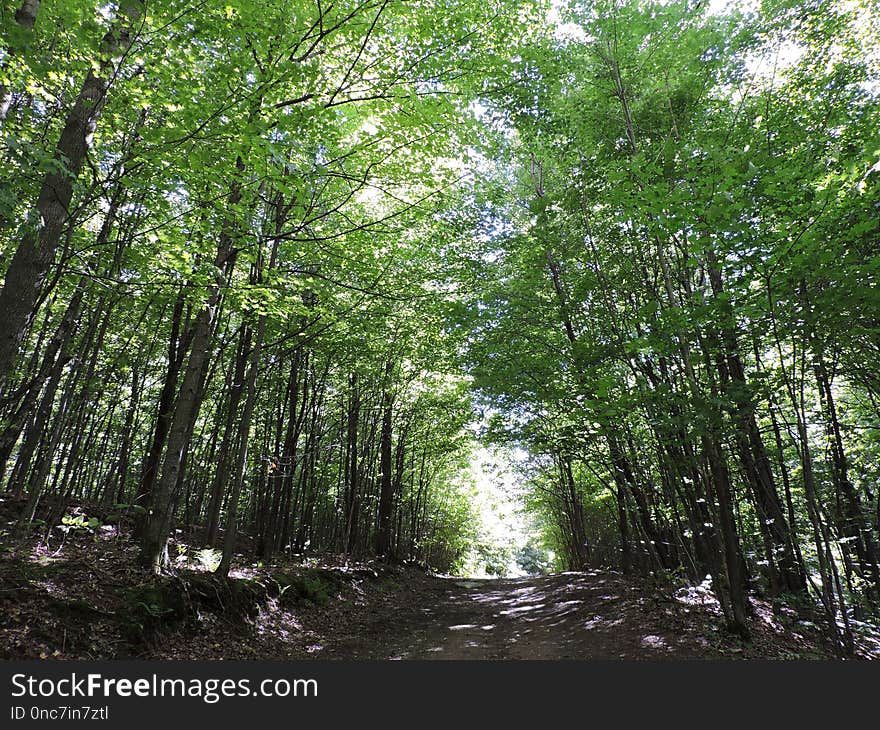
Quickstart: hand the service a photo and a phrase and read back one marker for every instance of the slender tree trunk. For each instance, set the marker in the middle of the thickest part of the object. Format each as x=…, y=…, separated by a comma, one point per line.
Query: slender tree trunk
x=177, y=349
x=186, y=409
x=42, y=233
x=753, y=453
x=853, y=524
x=238, y=472
x=352, y=501
x=386, y=488
x=218, y=487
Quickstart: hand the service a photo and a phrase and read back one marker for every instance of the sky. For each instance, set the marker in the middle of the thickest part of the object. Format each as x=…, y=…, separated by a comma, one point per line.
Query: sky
x=498, y=487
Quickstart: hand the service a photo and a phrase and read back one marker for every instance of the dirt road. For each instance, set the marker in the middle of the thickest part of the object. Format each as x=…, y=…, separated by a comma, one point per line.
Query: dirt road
x=588, y=615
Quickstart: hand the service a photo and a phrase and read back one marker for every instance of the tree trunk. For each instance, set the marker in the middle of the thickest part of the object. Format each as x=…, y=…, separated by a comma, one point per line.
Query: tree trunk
x=218, y=487
x=177, y=349
x=386, y=483
x=352, y=502
x=238, y=471
x=42, y=233
x=186, y=410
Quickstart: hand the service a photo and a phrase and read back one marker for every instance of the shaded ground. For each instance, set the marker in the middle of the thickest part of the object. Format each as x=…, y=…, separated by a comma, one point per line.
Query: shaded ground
x=590, y=615
x=80, y=595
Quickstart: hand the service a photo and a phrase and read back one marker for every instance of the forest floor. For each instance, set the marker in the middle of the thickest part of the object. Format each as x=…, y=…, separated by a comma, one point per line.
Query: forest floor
x=80, y=594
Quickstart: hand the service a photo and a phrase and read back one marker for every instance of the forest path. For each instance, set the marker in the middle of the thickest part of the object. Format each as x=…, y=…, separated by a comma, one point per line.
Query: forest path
x=591, y=615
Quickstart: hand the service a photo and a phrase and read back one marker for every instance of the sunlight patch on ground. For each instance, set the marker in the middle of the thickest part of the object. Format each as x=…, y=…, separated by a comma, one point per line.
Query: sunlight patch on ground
x=654, y=642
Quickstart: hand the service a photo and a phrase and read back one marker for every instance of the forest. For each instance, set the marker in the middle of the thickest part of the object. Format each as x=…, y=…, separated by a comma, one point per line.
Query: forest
x=277, y=272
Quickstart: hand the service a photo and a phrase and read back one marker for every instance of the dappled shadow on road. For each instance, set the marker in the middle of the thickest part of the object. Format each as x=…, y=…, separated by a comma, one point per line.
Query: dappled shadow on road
x=589, y=615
